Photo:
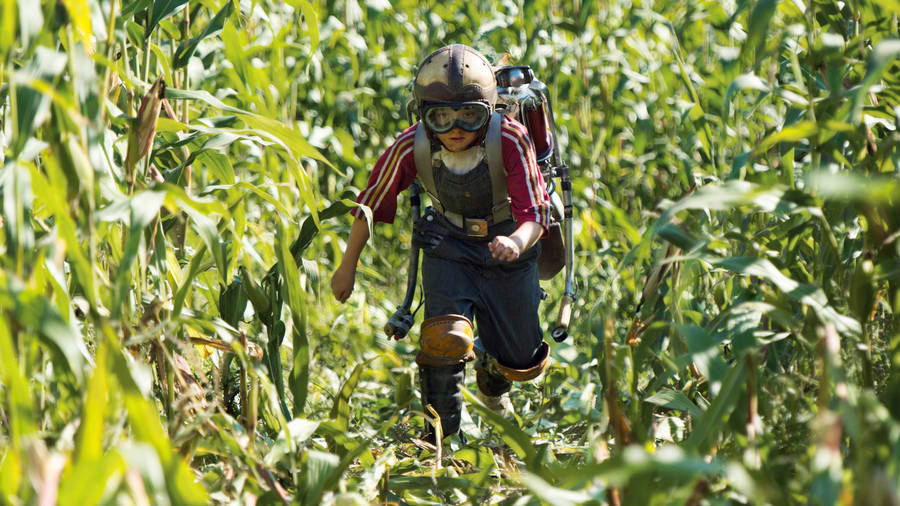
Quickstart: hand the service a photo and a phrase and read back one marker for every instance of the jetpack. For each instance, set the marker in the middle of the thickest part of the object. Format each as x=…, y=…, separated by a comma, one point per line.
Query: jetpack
x=526, y=99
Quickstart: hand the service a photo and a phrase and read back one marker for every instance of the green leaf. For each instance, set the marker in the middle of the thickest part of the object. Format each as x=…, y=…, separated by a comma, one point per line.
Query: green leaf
x=668, y=461
x=296, y=299
x=67, y=348
x=297, y=147
x=620, y=220
x=339, y=208
x=548, y=494
x=757, y=29
x=340, y=410
x=296, y=432
x=518, y=441
x=232, y=302
x=12, y=474
x=776, y=314
x=53, y=195
x=18, y=206
x=312, y=23
x=403, y=390
x=711, y=423
x=696, y=112
x=794, y=99
x=427, y=483
x=739, y=327
x=289, y=137
x=807, y=294
x=21, y=421
x=57, y=279
x=144, y=207
x=318, y=466
x=94, y=410
x=889, y=5
x=853, y=187
x=182, y=291
x=177, y=198
x=31, y=21
x=84, y=172
x=677, y=236
x=257, y=296
x=135, y=32
x=160, y=10
x=881, y=56
x=163, y=59
x=731, y=194
x=186, y=49
x=259, y=192
x=203, y=96
x=234, y=42
x=79, y=14
x=145, y=424
x=130, y=8
x=32, y=105
x=219, y=166
x=7, y=26
x=674, y=399
x=794, y=133
x=209, y=233
x=87, y=480
x=276, y=331
x=705, y=354
x=333, y=479
x=741, y=83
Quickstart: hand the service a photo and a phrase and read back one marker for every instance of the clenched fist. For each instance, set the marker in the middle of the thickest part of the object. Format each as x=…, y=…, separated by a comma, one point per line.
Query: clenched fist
x=505, y=248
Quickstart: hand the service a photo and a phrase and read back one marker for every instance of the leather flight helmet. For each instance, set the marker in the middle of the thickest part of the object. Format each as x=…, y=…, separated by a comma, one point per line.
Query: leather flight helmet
x=455, y=74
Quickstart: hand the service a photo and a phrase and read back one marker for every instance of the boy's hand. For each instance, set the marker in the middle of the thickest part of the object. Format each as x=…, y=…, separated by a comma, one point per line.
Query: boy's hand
x=505, y=248
x=342, y=283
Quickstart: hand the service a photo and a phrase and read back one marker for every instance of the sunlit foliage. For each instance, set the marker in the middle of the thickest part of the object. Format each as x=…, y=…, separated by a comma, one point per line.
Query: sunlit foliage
x=175, y=181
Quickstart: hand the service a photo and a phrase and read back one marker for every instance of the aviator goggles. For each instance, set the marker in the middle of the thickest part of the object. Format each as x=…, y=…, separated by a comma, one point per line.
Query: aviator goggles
x=469, y=116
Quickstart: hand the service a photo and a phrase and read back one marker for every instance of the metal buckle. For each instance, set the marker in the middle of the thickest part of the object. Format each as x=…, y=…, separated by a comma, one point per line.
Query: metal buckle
x=476, y=228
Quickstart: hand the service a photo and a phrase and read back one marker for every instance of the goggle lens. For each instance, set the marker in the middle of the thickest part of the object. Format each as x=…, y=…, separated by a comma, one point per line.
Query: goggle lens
x=469, y=117
x=514, y=76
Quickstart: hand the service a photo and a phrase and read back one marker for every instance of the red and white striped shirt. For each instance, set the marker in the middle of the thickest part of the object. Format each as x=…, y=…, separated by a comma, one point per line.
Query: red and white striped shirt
x=395, y=170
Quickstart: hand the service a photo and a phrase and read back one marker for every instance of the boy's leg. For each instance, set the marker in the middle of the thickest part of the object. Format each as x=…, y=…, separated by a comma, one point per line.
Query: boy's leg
x=443, y=353
x=507, y=314
x=439, y=387
x=509, y=329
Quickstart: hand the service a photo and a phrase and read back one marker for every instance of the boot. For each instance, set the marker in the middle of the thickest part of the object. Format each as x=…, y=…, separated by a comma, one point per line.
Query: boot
x=439, y=386
x=493, y=391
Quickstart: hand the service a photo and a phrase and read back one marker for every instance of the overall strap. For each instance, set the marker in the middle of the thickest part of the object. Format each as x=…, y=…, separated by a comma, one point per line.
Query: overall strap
x=493, y=146
x=425, y=164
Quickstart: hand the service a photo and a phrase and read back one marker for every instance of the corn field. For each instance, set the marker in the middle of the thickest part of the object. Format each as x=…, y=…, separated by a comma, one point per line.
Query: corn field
x=176, y=178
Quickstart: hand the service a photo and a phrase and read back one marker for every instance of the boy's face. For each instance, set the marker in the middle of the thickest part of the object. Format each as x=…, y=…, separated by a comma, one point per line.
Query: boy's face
x=457, y=139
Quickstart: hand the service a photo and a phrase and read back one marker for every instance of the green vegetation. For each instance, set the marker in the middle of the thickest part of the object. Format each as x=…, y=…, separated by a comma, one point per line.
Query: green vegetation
x=168, y=335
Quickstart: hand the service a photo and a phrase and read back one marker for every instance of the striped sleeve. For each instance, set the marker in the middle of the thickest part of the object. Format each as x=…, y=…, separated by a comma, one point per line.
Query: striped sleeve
x=394, y=171
x=527, y=190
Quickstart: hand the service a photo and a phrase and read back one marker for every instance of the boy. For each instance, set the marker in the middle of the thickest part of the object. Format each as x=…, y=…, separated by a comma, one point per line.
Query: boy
x=480, y=251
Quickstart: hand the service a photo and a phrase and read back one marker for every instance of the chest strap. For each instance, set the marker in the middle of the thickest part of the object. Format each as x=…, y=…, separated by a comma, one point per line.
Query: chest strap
x=425, y=164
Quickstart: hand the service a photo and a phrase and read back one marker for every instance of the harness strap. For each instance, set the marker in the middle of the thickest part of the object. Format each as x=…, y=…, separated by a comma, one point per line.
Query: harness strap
x=425, y=165
x=493, y=146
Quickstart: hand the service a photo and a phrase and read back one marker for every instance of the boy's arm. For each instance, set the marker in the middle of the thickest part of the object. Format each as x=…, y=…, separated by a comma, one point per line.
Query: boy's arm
x=510, y=247
x=345, y=275
x=394, y=171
